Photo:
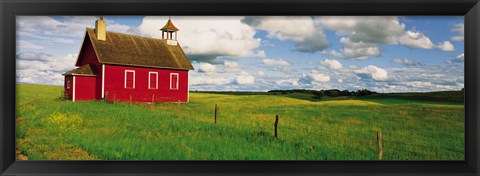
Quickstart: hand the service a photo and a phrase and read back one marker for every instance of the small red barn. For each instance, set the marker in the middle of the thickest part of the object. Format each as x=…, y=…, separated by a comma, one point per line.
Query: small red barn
x=123, y=67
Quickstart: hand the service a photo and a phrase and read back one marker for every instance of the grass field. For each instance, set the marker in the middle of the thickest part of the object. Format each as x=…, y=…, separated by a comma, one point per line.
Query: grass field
x=414, y=127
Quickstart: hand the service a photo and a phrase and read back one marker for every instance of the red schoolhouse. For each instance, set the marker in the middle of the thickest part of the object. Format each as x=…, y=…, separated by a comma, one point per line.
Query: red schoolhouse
x=123, y=67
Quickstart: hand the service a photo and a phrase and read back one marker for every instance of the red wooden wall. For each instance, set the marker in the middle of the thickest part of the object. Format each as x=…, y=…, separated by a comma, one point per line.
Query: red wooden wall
x=88, y=56
x=85, y=88
x=90, y=87
x=115, y=85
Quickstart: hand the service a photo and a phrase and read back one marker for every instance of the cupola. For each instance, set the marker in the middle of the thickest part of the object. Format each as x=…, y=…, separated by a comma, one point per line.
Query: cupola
x=168, y=33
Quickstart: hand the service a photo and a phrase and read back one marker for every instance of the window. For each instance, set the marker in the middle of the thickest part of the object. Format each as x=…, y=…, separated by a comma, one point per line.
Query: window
x=152, y=80
x=129, y=79
x=68, y=84
x=174, y=81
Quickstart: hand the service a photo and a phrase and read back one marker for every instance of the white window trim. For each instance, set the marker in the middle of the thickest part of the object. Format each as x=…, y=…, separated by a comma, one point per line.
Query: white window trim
x=125, y=79
x=73, y=91
x=178, y=80
x=68, y=84
x=156, y=81
x=103, y=80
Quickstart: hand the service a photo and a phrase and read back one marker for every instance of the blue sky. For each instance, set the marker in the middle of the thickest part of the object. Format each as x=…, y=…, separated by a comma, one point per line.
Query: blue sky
x=250, y=53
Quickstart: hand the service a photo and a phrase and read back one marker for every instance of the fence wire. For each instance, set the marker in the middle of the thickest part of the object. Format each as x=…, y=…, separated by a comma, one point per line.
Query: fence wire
x=369, y=140
x=315, y=132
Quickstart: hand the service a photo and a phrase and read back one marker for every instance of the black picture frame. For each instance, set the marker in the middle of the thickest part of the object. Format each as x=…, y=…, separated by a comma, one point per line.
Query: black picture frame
x=470, y=9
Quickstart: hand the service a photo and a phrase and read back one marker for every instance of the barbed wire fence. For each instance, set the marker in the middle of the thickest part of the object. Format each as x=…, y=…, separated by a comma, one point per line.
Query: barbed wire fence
x=376, y=142
x=373, y=139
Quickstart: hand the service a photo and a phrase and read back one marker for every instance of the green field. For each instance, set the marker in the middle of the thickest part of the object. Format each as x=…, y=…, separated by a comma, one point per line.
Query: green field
x=426, y=126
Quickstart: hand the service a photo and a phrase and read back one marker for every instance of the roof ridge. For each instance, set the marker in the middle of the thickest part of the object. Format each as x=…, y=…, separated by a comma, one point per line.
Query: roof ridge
x=130, y=35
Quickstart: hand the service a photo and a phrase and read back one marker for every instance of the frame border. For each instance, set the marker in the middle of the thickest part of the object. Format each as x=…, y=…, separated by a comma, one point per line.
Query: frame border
x=470, y=9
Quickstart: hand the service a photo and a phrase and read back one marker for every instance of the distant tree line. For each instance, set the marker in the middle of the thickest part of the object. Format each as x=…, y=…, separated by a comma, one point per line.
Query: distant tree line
x=329, y=92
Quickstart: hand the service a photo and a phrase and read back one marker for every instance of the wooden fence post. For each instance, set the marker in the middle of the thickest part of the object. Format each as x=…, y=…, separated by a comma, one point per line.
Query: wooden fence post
x=379, y=141
x=276, y=124
x=153, y=99
x=178, y=105
x=178, y=108
x=106, y=97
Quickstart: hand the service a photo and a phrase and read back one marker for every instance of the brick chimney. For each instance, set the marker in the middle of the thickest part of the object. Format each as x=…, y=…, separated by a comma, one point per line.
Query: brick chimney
x=101, y=29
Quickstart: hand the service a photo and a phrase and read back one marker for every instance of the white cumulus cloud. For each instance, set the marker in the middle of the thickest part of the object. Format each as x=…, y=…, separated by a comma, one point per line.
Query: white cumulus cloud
x=43, y=68
x=359, y=50
x=23, y=44
x=365, y=35
x=65, y=26
x=207, y=68
x=333, y=64
x=415, y=39
x=230, y=66
x=278, y=62
x=261, y=73
x=367, y=29
x=461, y=57
x=446, y=46
x=219, y=35
x=406, y=62
x=319, y=77
x=299, y=29
x=421, y=84
x=287, y=82
x=373, y=72
x=245, y=78
x=460, y=30
x=34, y=56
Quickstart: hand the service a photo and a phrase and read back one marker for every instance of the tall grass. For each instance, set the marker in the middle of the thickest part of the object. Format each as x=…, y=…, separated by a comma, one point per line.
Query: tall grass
x=51, y=128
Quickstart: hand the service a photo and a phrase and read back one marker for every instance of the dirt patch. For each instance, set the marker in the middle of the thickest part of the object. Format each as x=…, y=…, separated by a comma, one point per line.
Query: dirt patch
x=36, y=131
x=69, y=152
x=20, y=156
x=20, y=121
x=352, y=121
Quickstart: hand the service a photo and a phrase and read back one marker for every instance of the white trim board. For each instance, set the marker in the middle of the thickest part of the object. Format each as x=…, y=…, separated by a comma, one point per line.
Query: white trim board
x=125, y=79
x=73, y=90
x=178, y=80
x=103, y=80
x=156, y=81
